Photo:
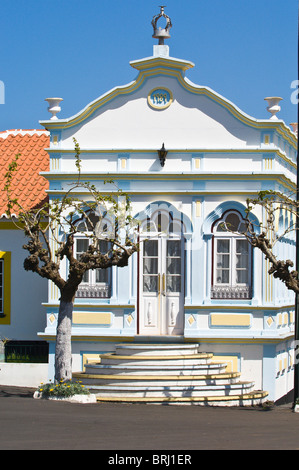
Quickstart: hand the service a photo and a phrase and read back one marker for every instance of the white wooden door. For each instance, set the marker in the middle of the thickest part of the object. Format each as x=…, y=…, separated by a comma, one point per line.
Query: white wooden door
x=161, y=286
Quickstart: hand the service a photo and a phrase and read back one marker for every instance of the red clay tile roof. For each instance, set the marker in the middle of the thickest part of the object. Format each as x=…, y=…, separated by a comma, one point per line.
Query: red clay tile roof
x=27, y=185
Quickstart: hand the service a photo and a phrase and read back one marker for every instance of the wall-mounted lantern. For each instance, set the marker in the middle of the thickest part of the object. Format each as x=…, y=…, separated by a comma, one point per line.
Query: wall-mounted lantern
x=162, y=155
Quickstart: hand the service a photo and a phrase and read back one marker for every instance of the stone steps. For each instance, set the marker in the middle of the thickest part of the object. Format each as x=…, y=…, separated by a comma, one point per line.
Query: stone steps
x=176, y=390
x=160, y=361
x=156, y=349
x=247, y=399
x=166, y=373
x=152, y=369
x=162, y=380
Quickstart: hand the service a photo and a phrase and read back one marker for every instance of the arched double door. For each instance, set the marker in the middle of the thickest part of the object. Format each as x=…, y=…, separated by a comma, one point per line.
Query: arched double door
x=161, y=275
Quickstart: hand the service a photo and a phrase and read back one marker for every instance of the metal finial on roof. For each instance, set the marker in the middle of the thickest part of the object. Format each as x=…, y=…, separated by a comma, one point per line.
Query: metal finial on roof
x=161, y=33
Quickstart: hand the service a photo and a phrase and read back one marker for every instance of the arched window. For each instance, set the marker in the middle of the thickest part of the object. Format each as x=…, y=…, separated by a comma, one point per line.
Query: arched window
x=162, y=221
x=95, y=283
x=232, y=259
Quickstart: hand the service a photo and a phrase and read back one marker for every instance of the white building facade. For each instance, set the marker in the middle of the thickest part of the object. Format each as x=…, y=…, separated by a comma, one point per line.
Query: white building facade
x=193, y=280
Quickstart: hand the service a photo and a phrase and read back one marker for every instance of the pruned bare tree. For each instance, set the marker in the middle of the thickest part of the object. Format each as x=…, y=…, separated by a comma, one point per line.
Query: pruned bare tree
x=269, y=232
x=51, y=229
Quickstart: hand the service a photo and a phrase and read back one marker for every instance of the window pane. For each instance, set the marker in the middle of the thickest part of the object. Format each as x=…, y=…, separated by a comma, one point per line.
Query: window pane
x=242, y=247
x=242, y=276
x=242, y=261
x=243, y=227
x=81, y=227
x=174, y=266
x=221, y=227
x=176, y=227
x=162, y=221
x=149, y=226
x=92, y=221
x=82, y=245
x=102, y=275
x=222, y=276
x=232, y=222
x=150, y=283
x=174, y=248
x=223, y=261
x=173, y=283
x=223, y=246
x=150, y=248
x=103, y=246
x=150, y=266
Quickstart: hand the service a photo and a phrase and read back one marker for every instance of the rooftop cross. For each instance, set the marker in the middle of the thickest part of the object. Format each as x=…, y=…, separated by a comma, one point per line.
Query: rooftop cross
x=161, y=33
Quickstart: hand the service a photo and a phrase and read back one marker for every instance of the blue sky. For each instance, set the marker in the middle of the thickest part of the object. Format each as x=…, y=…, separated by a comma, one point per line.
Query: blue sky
x=79, y=49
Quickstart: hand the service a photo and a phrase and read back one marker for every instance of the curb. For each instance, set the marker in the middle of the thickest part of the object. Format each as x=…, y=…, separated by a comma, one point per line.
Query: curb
x=83, y=399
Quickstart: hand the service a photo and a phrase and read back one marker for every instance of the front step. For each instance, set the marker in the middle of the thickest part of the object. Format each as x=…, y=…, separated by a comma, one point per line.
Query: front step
x=247, y=399
x=176, y=390
x=166, y=374
x=156, y=349
x=161, y=360
x=142, y=369
x=162, y=380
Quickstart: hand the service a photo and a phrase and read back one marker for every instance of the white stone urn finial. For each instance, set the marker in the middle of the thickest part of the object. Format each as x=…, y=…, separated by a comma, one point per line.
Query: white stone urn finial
x=295, y=127
x=54, y=107
x=273, y=106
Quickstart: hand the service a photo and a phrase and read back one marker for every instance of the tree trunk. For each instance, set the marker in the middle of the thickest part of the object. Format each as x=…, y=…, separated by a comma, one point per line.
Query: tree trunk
x=63, y=351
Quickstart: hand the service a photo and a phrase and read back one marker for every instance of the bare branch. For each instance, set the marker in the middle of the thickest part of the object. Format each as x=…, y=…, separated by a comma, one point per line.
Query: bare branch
x=272, y=202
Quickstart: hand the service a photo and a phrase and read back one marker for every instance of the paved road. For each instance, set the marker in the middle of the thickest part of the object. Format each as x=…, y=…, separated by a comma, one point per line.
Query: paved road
x=32, y=424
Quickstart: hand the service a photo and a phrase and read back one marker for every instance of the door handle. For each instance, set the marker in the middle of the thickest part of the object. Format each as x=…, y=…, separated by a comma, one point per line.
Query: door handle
x=163, y=284
x=159, y=284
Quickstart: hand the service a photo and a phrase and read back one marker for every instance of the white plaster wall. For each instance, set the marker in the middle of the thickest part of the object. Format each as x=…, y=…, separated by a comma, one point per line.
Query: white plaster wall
x=92, y=162
x=80, y=348
x=150, y=162
x=250, y=359
x=175, y=162
x=213, y=201
x=191, y=121
x=247, y=185
x=164, y=185
x=257, y=320
x=232, y=162
x=282, y=167
x=252, y=364
x=284, y=381
x=23, y=375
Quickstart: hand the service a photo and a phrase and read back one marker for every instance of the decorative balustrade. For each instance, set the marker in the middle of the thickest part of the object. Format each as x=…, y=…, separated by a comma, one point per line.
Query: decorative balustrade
x=93, y=291
x=230, y=292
